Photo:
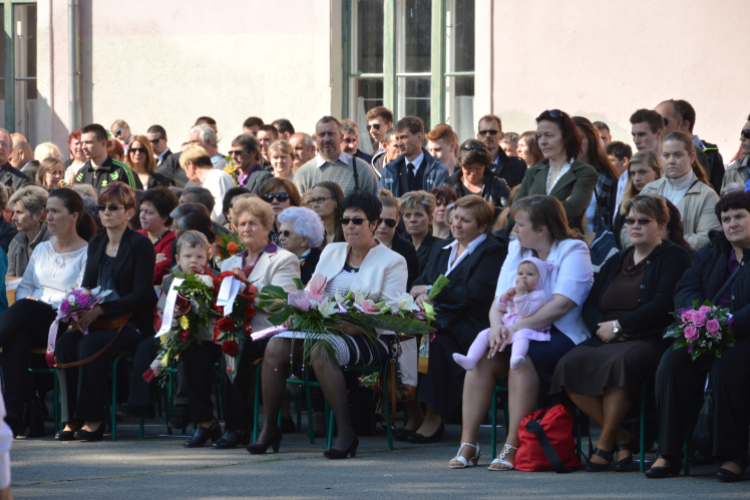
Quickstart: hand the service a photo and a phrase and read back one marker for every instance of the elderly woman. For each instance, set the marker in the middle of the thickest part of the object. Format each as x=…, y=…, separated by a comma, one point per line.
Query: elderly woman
x=387, y=235
x=140, y=158
x=560, y=175
x=301, y=232
x=56, y=267
x=281, y=156
x=626, y=313
x=541, y=231
x=644, y=167
x=685, y=184
x=475, y=176
x=718, y=274
x=417, y=208
x=444, y=198
x=156, y=205
x=263, y=263
x=122, y=261
x=280, y=194
x=51, y=172
x=470, y=262
x=325, y=199
x=28, y=205
x=361, y=264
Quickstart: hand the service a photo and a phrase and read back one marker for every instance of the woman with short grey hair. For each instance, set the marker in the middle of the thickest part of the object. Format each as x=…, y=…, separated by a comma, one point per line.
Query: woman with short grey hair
x=301, y=232
x=29, y=205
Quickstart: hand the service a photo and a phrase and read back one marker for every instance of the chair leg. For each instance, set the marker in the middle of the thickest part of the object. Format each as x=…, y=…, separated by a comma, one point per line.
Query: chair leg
x=494, y=422
x=388, y=412
x=114, y=398
x=298, y=409
x=329, y=425
x=310, y=425
x=140, y=430
x=642, y=437
x=256, y=401
x=56, y=405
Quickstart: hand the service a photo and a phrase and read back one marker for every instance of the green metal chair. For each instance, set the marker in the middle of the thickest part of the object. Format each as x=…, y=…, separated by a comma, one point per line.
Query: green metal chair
x=56, y=410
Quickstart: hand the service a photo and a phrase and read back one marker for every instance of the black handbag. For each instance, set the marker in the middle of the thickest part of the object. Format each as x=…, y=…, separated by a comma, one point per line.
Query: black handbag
x=703, y=437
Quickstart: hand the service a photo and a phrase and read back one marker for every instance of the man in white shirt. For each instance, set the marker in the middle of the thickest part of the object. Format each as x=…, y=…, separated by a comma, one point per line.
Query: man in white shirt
x=196, y=162
x=205, y=137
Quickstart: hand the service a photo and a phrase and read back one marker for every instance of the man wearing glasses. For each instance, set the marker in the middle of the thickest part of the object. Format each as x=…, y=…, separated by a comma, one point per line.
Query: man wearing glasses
x=379, y=121
x=167, y=162
x=9, y=175
x=121, y=131
x=490, y=132
x=245, y=153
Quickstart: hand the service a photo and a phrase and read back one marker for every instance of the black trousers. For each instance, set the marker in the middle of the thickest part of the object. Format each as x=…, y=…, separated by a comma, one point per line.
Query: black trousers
x=24, y=326
x=142, y=393
x=194, y=377
x=239, y=409
x=679, y=385
x=82, y=387
x=443, y=384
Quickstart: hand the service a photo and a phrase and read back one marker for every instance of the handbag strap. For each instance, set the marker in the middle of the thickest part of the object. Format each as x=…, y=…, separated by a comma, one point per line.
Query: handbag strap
x=535, y=427
x=726, y=284
x=355, y=173
x=118, y=323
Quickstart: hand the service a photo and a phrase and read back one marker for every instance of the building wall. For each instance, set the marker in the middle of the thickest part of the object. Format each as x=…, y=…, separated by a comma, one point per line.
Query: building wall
x=604, y=60
x=169, y=62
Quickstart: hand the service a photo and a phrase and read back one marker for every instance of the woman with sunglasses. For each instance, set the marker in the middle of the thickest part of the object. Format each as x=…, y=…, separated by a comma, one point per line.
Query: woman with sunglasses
x=560, y=175
x=387, y=235
x=280, y=194
x=441, y=226
x=475, y=176
x=325, y=200
x=140, y=159
x=122, y=261
x=739, y=170
x=360, y=265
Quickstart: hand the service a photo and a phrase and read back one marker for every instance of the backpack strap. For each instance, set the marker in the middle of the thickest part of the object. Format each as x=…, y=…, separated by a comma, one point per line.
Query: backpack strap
x=535, y=427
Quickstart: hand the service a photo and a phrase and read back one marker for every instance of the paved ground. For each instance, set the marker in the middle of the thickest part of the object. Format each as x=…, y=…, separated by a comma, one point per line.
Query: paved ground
x=159, y=467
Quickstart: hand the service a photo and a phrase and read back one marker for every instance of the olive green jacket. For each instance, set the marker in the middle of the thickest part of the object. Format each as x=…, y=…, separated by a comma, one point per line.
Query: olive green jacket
x=574, y=189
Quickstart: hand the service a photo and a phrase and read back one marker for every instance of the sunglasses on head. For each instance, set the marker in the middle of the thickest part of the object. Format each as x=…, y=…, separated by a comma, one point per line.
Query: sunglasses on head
x=629, y=221
x=745, y=133
x=280, y=197
x=356, y=220
x=112, y=208
x=389, y=222
x=376, y=126
x=472, y=147
x=554, y=113
x=138, y=150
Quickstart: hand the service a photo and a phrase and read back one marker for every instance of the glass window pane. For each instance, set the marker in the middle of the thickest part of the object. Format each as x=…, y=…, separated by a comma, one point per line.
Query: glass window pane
x=2, y=70
x=26, y=91
x=368, y=93
x=460, y=34
x=414, y=97
x=368, y=48
x=459, y=103
x=414, y=30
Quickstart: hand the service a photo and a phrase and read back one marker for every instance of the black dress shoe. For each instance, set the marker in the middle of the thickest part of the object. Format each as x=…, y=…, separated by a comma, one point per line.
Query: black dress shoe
x=202, y=435
x=418, y=438
x=261, y=448
x=673, y=469
x=403, y=434
x=16, y=424
x=624, y=464
x=179, y=418
x=97, y=435
x=727, y=476
x=64, y=435
x=287, y=426
x=230, y=439
x=128, y=410
x=335, y=454
x=595, y=467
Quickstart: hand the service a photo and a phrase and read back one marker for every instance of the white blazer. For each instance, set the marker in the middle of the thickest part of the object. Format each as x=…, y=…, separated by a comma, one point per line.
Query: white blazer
x=278, y=268
x=382, y=275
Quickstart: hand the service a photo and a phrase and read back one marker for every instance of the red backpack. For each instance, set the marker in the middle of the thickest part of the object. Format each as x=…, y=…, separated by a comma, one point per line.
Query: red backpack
x=547, y=443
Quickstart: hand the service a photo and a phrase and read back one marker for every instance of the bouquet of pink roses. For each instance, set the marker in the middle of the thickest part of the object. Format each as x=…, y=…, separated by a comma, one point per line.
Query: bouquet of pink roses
x=703, y=328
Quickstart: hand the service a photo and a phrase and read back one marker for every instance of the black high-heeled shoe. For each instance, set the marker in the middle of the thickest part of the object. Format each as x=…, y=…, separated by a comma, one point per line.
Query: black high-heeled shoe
x=418, y=438
x=335, y=454
x=97, y=435
x=595, y=467
x=230, y=439
x=403, y=434
x=624, y=464
x=202, y=435
x=673, y=469
x=261, y=448
x=727, y=476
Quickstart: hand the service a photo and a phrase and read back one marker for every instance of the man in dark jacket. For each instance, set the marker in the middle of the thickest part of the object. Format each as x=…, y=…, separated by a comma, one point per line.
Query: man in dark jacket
x=510, y=168
x=245, y=153
x=9, y=176
x=99, y=169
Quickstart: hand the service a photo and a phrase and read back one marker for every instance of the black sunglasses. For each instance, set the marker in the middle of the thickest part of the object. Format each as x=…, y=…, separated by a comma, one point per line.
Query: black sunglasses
x=472, y=147
x=280, y=197
x=389, y=222
x=356, y=220
x=238, y=151
x=156, y=141
x=745, y=133
x=285, y=233
x=554, y=113
x=138, y=150
x=376, y=126
x=629, y=221
x=112, y=208
x=491, y=132
x=666, y=121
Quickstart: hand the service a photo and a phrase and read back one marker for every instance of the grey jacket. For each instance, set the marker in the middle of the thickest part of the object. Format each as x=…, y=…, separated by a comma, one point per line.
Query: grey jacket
x=737, y=172
x=20, y=251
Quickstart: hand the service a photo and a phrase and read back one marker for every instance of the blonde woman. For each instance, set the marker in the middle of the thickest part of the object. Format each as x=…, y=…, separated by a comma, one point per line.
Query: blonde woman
x=281, y=155
x=50, y=174
x=644, y=167
x=46, y=150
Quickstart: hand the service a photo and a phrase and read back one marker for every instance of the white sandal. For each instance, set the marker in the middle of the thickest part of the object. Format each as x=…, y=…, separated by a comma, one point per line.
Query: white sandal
x=465, y=463
x=501, y=459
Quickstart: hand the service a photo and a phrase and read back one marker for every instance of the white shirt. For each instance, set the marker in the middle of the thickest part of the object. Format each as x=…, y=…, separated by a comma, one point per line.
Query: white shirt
x=50, y=275
x=417, y=162
x=454, y=249
x=343, y=158
x=572, y=277
x=563, y=171
x=218, y=182
x=675, y=189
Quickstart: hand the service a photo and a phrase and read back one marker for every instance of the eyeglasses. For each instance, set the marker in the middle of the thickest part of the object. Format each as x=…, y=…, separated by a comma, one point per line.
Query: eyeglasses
x=119, y=131
x=356, y=220
x=280, y=197
x=285, y=233
x=629, y=221
x=389, y=222
x=554, y=113
x=376, y=126
x=491, y=132
x=138, y=150
x=472, y=147
x=320, y=200
x=745, y=133
x=233, y=152
x=156, y=141
x=112, y=208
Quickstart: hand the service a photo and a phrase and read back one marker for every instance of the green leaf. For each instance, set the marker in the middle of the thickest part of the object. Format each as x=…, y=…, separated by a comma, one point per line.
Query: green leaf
x=392, y=323
x=299, y=284
x=438, y=286
x=279, y=318
x=275, y=291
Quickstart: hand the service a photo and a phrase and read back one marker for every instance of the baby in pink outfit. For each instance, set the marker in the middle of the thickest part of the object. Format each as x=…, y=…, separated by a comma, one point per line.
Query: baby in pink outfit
x=519, y=303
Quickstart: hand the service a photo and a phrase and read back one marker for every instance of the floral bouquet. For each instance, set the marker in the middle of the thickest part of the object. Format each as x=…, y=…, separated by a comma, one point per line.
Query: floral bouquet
x=75, y=303
x=232, y=170
x=703, y=328
x=234, y=324
x=228, y=244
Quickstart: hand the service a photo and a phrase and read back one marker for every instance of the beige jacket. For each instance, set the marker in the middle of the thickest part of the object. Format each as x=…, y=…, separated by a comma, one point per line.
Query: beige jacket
x=696, y=208
x=738, y=171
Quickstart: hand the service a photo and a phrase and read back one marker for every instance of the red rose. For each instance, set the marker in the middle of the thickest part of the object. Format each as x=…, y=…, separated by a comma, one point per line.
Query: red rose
x=232, y=248
x=225, y=324
x=185, y=335
x=230, y=347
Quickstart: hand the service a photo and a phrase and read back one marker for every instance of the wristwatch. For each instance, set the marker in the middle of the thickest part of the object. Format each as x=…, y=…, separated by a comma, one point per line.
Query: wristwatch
x=429, y=288
x=615, y=328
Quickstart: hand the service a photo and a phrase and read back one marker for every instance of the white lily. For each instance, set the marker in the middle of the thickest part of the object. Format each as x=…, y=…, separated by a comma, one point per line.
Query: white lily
x=207, y=280
x=328, y=308
x=406, y=303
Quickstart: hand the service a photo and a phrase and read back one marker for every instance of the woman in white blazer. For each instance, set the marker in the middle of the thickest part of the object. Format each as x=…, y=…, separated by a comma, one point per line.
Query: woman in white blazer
x=263, y=263
x=364, y=265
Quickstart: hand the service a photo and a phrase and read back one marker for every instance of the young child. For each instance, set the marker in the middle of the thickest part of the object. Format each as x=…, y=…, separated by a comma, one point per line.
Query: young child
x=520, y=301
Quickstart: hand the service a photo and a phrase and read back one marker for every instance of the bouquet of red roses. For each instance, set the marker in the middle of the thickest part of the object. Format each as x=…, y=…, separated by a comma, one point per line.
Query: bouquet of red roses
x=703, y=328
x=235, y=304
